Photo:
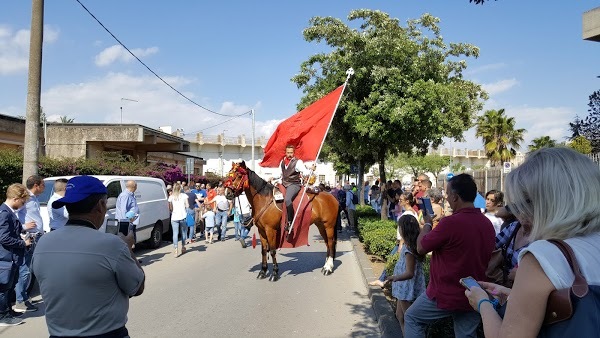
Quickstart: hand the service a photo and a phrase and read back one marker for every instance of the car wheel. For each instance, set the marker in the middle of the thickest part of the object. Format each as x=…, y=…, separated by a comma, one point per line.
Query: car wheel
x=156, y=236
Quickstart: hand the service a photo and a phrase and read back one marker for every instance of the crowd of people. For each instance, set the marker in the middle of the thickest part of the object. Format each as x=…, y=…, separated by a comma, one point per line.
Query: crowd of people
x=506, y=249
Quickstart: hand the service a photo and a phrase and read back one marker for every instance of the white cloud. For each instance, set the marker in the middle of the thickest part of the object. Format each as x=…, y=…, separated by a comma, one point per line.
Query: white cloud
x=118, y=53
x=99, y=101
x=14, y=48
x=499, y=86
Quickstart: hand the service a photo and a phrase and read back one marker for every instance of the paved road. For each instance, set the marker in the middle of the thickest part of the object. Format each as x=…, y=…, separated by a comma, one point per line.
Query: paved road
x=212, y=291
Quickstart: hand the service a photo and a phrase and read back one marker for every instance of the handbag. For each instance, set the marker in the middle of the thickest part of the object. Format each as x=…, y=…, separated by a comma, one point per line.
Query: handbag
x=498, y=266
x=572, y=311
x=8, y=271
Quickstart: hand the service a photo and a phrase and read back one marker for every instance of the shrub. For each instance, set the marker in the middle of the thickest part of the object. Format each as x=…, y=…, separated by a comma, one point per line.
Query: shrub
x=11, y=169
x=379, y=237
x=365, y=211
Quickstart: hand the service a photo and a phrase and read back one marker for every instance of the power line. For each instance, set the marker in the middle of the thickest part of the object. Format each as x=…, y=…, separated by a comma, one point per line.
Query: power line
x=220, y=123
x=151, y=71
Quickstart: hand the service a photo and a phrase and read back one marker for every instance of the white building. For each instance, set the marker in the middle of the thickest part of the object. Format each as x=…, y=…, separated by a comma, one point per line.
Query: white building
x=220, y=152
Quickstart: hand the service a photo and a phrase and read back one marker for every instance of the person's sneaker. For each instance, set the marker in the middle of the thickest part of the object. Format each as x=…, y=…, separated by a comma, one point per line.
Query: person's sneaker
x=25, y=307
x=243, y=242
x=9, y=320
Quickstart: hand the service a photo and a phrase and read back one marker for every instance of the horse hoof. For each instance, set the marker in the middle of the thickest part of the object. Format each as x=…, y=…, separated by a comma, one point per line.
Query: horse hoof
x=274, y=278
x=261, y=275
x=327, y=272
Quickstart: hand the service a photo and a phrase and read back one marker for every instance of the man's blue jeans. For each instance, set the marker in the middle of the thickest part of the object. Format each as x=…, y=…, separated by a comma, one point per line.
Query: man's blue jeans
x=424, y=311
x=24, y=276
x=238, y=230
x=221, y=222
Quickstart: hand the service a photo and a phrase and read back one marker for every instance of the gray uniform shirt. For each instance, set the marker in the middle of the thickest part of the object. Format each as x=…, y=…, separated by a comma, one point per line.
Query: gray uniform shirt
x=86, y=278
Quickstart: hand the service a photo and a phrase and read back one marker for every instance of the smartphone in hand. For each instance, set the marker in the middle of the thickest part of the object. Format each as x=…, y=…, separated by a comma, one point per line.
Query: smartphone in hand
x=469, y=282
x=124, y=227
x=426, y=206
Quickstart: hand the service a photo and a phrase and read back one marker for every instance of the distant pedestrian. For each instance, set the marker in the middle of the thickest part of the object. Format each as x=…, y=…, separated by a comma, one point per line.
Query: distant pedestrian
x=178, y=204
x=86, y=276
x=126, y=202
x=209, y=221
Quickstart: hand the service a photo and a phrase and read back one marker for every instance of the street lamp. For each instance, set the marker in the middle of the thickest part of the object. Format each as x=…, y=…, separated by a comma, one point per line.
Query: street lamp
x=125, y=99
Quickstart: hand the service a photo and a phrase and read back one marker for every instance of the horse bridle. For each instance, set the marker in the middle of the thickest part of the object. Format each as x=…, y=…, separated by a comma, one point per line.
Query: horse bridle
x=243, y=176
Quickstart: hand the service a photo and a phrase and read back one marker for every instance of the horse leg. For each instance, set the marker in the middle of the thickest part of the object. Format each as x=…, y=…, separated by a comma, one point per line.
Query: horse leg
x=275, y=275
x=263, y=250
x=329, y=239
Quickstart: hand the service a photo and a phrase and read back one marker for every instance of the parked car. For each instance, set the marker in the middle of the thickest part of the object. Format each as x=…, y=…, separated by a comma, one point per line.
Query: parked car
x=151, y=196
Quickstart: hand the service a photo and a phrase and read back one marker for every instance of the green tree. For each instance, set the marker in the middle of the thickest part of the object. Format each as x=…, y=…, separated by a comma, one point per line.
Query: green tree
x=457, y=168
x=581, y=144
x=590, y=126
x=407, y=82
x=542, y=142
x=66, y=119
x=500, y=138
x=436, y=163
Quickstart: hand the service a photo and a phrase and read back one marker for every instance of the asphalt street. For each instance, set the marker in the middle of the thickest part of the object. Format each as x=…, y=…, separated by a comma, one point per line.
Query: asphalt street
x=212, y=291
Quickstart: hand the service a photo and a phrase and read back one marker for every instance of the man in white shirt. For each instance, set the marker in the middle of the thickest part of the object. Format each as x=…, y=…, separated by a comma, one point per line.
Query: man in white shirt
x=223, y=210
x=58, y=217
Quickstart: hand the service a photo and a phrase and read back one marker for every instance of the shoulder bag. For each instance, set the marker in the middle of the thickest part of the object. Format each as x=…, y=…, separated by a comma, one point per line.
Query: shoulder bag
x=573, y=311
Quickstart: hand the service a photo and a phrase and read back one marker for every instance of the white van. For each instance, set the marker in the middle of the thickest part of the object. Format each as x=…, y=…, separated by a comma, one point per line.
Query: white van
x=151, y=197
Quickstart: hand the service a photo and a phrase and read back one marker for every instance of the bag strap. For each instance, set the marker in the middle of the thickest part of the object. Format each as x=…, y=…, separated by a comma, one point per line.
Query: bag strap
x=580, y=285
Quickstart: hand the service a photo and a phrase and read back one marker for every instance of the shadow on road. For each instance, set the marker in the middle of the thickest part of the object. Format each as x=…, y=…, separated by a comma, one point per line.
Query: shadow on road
x=299, y=262
x=363, y=328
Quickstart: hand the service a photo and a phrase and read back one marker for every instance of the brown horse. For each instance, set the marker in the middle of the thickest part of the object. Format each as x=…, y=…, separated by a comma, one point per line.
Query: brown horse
x=267, y=216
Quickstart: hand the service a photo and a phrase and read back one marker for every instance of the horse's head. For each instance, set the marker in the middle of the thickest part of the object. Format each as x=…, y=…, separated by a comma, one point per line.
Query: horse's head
x=237, y=180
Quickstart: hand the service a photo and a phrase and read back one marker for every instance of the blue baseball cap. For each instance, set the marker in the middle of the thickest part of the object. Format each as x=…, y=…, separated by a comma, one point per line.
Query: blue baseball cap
x=78, y=188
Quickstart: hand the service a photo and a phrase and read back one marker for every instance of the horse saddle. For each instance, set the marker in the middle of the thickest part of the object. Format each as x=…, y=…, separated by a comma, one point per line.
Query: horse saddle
x=279, y=192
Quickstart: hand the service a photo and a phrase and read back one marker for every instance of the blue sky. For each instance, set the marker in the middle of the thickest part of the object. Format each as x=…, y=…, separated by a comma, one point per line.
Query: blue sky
x=233, y=56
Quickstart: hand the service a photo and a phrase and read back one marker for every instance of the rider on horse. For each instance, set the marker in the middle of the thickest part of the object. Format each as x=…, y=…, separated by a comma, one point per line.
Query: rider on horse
x=291, y=169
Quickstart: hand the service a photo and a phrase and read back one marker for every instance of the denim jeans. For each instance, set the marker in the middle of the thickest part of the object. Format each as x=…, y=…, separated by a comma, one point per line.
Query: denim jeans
x=179, y=226
x=238, y=230
x=221, y=223
x=376, y=206
x=424, y=311
x=244, y=233
x=24, y=276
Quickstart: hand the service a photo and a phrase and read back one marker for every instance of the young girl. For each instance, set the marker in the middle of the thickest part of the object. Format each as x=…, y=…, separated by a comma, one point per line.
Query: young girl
x=408, y=279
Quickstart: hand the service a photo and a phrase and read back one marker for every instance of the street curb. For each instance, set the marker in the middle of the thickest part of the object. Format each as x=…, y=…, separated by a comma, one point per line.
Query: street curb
x=386, y=318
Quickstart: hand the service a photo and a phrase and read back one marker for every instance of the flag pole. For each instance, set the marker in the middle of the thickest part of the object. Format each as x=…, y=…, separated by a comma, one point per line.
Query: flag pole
x=349, y=73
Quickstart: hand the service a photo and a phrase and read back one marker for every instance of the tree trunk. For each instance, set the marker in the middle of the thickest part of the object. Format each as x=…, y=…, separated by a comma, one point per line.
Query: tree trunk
x=361, y=185
x=382, y=180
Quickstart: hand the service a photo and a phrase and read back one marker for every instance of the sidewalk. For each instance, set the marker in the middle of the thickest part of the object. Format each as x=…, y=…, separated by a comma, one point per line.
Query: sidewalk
x=386, y=318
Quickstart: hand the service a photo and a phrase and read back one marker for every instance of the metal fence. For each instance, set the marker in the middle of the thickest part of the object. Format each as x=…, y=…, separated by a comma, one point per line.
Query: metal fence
x=486, y=179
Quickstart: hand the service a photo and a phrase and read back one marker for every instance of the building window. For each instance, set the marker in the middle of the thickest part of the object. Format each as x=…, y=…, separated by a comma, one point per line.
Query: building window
x=322, y=179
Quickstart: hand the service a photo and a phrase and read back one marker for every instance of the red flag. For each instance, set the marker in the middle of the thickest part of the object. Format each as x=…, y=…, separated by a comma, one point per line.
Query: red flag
x=254, y=240
x=305, y=130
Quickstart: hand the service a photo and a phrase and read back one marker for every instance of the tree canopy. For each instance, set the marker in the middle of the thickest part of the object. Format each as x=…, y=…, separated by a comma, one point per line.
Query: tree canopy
x=500, y=138
x=542, y=142
x=589, y=127
x=407, y=92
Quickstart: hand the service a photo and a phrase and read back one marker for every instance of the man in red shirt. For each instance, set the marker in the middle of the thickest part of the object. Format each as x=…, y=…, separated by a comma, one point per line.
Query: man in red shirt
x=462, y=246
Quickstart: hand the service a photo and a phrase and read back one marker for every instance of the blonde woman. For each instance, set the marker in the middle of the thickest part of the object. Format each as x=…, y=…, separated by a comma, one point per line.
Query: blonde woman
x=178, y=204
x=557, y=191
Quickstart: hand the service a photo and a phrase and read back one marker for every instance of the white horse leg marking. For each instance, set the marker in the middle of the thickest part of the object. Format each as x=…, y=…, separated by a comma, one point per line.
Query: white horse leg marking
x=328, y=264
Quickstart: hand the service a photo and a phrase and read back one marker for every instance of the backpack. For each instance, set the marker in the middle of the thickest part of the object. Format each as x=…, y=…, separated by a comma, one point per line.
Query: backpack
x=354, y=199
x=341, y=196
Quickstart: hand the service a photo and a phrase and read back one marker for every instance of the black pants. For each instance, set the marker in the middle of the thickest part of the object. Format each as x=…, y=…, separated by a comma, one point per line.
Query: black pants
x=291, y=192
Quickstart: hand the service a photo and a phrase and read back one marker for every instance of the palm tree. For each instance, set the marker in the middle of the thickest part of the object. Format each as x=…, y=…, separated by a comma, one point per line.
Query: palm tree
x=542, y=142
x=500, y=138
x=66, y=119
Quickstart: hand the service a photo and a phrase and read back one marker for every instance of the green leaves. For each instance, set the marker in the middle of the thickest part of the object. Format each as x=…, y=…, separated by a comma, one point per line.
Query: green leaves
x=500, y=138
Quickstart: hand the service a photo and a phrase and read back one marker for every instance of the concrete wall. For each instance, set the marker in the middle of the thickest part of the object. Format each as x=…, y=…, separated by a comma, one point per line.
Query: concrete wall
x=591, y=25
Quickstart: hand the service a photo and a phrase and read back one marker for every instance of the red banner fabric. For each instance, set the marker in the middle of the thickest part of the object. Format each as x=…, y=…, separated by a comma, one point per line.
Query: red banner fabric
x=305, y=130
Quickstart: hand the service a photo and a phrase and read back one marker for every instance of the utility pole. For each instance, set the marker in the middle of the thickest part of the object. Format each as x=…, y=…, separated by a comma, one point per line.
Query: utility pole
x=34, y=88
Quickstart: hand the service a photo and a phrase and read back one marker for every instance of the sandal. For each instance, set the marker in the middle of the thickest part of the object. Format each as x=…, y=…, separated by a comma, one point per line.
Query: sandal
x=183, y=250
x=176, y=253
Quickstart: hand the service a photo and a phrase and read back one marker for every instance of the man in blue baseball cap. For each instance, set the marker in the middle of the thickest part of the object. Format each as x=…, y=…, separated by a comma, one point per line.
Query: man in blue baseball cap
x=68, y=259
